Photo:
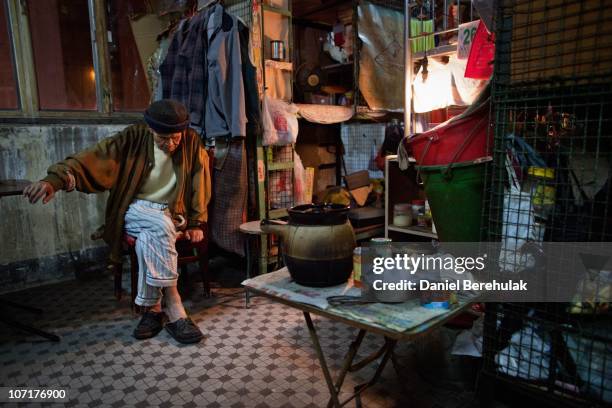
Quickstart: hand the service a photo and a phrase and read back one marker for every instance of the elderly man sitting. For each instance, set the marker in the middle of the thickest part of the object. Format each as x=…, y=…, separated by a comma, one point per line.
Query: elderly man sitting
x=157, y=174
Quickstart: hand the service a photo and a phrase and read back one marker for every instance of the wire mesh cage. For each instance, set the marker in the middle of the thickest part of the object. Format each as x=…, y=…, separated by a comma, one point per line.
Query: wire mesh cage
x=242, y=9
x=280, y=177
x=281, y=189
x=548, y=353
x=550, y=182
x=361, y=142
x=281, y=154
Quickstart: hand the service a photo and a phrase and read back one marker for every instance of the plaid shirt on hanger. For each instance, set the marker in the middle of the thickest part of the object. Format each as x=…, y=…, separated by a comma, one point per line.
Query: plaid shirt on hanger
x=184, y=71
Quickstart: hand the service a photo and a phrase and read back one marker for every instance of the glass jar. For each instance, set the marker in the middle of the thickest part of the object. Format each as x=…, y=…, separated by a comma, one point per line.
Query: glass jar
x=402, y=215
x=418, y=209
x=381, y=247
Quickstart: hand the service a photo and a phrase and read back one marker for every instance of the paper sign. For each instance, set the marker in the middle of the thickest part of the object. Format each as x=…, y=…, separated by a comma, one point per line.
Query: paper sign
x=480, y=61
x=466, y=34
x=261, y=172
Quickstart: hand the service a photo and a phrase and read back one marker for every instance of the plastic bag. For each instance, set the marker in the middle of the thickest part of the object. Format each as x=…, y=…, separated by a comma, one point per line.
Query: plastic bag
x=469, y=342
x=518, y=225
x=279, y=122
x=527, y=355
x=592, y=360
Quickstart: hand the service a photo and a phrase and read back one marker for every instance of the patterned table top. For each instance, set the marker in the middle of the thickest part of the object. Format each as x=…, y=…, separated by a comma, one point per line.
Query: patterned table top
x=397, y=320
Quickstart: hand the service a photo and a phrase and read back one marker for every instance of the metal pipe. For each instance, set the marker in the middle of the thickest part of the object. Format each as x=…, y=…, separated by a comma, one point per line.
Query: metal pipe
x=407, y=71
x=96, y=56
x=450, y=30
x=445, y=16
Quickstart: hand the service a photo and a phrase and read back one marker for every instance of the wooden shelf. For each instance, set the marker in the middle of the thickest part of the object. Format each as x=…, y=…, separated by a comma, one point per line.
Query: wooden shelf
x=282, y=65
x=393, y=158
x=414, y=230
x=436, y=52
x=402, y=187
x=365, y=113
x=336, y=66
x=272, y=9
x=280, y=166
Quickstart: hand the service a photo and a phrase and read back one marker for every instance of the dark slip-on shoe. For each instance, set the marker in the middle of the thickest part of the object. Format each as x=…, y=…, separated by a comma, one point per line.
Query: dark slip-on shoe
x=184, y=331
x=150, y=324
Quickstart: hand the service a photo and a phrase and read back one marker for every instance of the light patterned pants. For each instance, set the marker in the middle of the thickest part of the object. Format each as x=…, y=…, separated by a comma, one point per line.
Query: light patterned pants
x=150, y=223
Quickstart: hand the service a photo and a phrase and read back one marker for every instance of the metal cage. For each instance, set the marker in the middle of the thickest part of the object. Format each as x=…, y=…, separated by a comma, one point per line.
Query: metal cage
x=551, y=106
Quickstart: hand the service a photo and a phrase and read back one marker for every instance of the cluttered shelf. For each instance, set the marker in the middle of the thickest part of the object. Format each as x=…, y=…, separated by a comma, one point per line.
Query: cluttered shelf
x=330, y=114
x=414, y=230
x=281, y=65
x=366, y=113
x=407, y=211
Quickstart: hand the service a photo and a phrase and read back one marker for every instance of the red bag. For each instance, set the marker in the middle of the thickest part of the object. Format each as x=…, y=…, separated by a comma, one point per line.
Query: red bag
x=480, y=61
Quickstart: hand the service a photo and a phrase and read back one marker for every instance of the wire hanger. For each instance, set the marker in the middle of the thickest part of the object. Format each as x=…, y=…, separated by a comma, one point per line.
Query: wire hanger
x=422, y=14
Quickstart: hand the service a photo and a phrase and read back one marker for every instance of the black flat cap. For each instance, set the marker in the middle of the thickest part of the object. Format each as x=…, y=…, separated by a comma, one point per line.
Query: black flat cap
x=167, y=116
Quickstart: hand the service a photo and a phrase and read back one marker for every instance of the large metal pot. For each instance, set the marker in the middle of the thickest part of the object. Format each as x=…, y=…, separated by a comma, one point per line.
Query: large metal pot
x=318, y=243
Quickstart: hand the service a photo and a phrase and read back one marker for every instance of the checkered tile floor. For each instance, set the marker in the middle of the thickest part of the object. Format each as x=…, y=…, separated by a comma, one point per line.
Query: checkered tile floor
x=259, y=357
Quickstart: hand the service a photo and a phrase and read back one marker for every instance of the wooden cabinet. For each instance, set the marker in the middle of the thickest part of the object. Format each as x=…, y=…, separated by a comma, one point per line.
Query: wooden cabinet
x=403, y=187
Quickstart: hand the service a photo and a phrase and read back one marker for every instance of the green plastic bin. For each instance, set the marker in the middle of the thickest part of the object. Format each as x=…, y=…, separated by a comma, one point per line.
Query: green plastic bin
x=455, y=197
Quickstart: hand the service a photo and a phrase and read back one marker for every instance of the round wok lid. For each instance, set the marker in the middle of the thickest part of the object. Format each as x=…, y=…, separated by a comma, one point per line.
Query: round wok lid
x=318, y=214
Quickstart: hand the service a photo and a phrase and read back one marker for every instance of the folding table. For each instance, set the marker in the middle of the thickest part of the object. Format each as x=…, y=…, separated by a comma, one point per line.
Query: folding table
x=282, y=291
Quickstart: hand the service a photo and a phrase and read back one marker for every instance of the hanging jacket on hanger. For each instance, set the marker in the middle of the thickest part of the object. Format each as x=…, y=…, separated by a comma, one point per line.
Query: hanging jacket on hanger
x=203, y=69
x=225, y=108
x=183, y=71
x=249, y=77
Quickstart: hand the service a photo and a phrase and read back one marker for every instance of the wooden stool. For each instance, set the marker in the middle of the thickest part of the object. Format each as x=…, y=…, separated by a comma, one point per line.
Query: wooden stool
x=188, y=252
x=252, y=230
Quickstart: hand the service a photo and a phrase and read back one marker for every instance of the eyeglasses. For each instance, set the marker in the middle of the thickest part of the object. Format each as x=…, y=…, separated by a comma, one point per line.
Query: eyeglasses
x=165, y=140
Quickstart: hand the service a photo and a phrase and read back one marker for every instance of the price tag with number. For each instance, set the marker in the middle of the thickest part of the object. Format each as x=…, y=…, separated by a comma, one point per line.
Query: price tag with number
x=466, y=35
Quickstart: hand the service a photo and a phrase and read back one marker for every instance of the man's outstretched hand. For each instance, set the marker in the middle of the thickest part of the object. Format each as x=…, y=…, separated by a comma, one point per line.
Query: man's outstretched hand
x=38, y=190
x=194, y=235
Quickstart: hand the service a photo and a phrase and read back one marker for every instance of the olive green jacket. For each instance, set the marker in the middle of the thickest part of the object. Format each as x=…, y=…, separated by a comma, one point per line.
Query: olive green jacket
x=121, y=164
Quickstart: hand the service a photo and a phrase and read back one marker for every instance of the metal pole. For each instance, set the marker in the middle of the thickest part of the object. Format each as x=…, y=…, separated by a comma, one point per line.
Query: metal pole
x=95, y=56
x=407, y=72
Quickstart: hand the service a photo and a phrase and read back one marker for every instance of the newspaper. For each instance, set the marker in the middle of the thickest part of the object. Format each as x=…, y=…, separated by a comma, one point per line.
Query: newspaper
x=398, y=317
x=280, y=284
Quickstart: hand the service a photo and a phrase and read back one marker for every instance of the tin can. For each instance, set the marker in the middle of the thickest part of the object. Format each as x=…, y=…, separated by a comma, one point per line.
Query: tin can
x=357, y=267
x=277, y=50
